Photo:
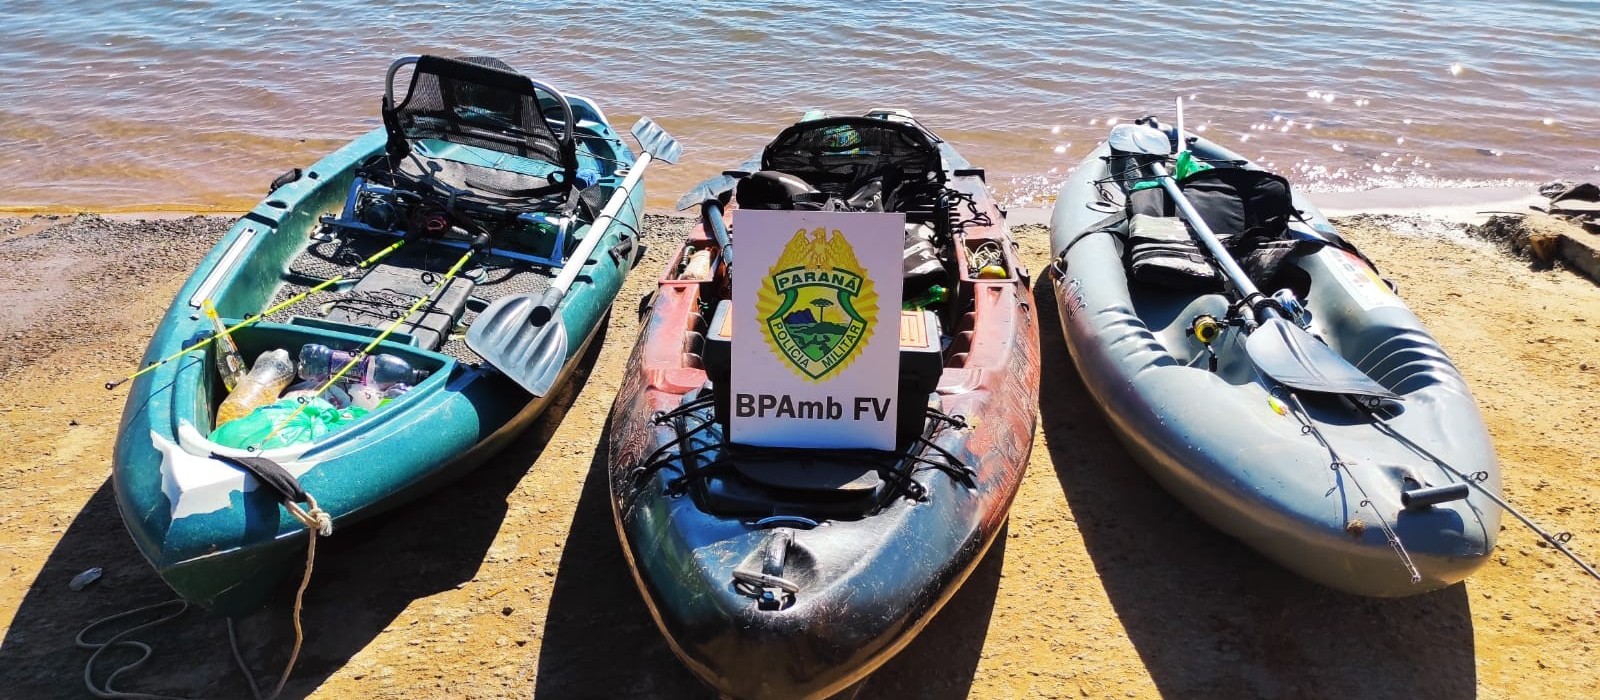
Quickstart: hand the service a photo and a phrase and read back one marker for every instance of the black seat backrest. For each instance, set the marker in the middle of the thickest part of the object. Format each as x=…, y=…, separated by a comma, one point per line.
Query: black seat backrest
x=769, y=189
x=480, y=102
x=1246, y=206
x=838, y=155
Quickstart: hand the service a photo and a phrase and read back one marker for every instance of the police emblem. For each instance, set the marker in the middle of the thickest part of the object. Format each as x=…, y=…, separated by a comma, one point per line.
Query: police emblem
x=817, y=305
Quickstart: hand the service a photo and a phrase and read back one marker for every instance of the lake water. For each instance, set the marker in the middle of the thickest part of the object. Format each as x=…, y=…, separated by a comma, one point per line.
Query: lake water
x=143, y=103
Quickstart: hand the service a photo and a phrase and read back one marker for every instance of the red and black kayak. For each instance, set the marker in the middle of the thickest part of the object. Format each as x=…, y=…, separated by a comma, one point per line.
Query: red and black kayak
x=781, y=572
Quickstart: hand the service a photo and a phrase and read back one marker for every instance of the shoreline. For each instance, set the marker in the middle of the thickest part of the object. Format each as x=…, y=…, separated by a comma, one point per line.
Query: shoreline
x=1463, y=205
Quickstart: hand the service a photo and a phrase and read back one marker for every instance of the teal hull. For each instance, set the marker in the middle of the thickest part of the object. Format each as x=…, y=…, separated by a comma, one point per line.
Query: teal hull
x=213, y=535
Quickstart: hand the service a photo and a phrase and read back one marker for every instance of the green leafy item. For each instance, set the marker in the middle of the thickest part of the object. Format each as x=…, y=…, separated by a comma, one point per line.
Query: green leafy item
x=319, y=420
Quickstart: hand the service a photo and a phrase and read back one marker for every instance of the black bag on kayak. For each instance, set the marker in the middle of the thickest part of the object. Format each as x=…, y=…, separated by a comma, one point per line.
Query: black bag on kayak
x=1162, y=254
x=1243, y=207
x=1248, y=210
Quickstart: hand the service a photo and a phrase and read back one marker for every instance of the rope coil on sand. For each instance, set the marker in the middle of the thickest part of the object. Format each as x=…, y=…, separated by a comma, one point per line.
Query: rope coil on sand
x=318, y=523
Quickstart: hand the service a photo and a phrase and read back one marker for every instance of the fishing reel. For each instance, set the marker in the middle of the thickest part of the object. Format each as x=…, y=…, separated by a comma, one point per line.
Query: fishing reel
x=429, y=221
x=1206, y=329
x=434, y=221
x=380, y=214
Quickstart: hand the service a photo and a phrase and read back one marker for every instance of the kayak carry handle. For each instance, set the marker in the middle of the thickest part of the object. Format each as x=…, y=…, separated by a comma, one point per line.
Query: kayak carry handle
x=1422, y=499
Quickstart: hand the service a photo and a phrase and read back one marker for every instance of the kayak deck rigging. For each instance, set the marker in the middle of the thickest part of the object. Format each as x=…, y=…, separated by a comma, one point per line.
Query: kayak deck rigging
x=795, y=572
x=698, y=434
x=490, y=277
x=359, y=287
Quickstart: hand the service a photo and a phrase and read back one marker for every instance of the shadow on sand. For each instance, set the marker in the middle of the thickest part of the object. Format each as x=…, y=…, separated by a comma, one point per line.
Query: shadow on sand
x=358, y=589
x=1210, y=617
x=599, y=639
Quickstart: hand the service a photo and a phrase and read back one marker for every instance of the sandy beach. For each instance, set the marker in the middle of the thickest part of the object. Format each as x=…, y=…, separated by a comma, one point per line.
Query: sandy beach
x=511, y=583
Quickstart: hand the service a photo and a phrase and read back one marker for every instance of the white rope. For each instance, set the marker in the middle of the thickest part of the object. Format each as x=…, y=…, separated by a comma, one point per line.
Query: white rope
x=317, y=522
x=116, y=640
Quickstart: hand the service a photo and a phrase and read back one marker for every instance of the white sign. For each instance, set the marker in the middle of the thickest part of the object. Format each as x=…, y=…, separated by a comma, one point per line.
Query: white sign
x=816, y=328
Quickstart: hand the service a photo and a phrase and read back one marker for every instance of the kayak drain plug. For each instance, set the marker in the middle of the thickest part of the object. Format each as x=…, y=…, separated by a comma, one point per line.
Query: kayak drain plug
x=1422, y=499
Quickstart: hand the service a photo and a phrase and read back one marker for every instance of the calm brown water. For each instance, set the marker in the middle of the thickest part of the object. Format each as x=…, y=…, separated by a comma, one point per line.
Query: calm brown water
x=116, y=103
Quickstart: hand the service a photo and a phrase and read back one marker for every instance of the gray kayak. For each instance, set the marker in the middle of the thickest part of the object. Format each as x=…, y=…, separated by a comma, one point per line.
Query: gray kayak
x=1317, y=482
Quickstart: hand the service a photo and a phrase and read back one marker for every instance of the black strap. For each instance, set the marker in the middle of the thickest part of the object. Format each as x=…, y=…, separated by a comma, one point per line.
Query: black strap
x=270, y=473
x=1110, y=225
x=1330, y=236
x=591, y=200
x=522, y=193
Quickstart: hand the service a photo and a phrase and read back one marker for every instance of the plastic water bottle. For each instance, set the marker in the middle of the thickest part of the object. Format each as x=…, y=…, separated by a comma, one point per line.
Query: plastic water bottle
x=366, y=396
x=384, y=371
x=307, y=389
x=267, y=378
x=229, y=364
x=318, y=362
x=936, y=294
x=547, y=222
x=698, y=266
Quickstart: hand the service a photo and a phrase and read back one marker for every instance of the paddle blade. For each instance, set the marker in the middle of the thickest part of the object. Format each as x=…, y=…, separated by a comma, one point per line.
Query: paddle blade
x=549, y=357
x=1296, y=359
x=1138, y=138
x=531, y=355
x=656, y=141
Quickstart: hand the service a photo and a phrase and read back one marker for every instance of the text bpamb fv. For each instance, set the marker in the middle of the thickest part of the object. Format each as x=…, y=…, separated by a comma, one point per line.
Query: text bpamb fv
x=829, y=408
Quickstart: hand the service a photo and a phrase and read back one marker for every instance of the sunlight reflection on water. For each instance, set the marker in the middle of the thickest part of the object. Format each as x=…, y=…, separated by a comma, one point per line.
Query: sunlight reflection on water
x=203, y=102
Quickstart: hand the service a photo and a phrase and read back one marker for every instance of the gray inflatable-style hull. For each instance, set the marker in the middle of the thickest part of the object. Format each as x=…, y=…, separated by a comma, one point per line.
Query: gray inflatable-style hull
x=1220, y=445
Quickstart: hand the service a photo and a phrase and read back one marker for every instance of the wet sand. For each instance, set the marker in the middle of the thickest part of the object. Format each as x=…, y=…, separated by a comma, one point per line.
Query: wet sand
x=512, y=583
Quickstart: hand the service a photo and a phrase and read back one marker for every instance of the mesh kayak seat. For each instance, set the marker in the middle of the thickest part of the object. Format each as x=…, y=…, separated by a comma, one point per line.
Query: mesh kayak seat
x=483, y=105
x=839, y=156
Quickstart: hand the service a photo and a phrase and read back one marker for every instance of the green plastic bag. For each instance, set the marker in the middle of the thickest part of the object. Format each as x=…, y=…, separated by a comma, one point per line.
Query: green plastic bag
x=1187, y=165
x=319, y=420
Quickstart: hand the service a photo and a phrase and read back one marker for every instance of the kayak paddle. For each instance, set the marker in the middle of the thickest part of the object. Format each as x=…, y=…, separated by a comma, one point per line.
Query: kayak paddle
x=522, y=335
x=1277, y=346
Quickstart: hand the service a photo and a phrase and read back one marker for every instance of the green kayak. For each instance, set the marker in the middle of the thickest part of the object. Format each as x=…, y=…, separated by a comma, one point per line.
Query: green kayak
x=484, y=193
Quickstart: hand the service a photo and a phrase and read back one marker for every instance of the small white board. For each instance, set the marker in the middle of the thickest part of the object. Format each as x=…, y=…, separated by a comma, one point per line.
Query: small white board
x=815, y=347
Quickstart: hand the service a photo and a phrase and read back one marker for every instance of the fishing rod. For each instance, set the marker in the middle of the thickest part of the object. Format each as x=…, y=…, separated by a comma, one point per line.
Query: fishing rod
x=364, y=264
x=1558, y=540
x=1265, y=354
x=1338, y=464
x=1284, y=353
x=356, y=359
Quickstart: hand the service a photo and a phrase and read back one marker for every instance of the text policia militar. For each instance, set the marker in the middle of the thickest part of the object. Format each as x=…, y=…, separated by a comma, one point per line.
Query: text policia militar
x=785, y=406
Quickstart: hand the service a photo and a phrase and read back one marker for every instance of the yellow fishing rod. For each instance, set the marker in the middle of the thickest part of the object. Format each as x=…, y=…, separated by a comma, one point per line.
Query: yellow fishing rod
x=286, y=303
x=359, y=356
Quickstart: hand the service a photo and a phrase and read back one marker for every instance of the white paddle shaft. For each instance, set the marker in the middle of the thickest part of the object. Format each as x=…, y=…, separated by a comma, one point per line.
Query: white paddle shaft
x=580, y=257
